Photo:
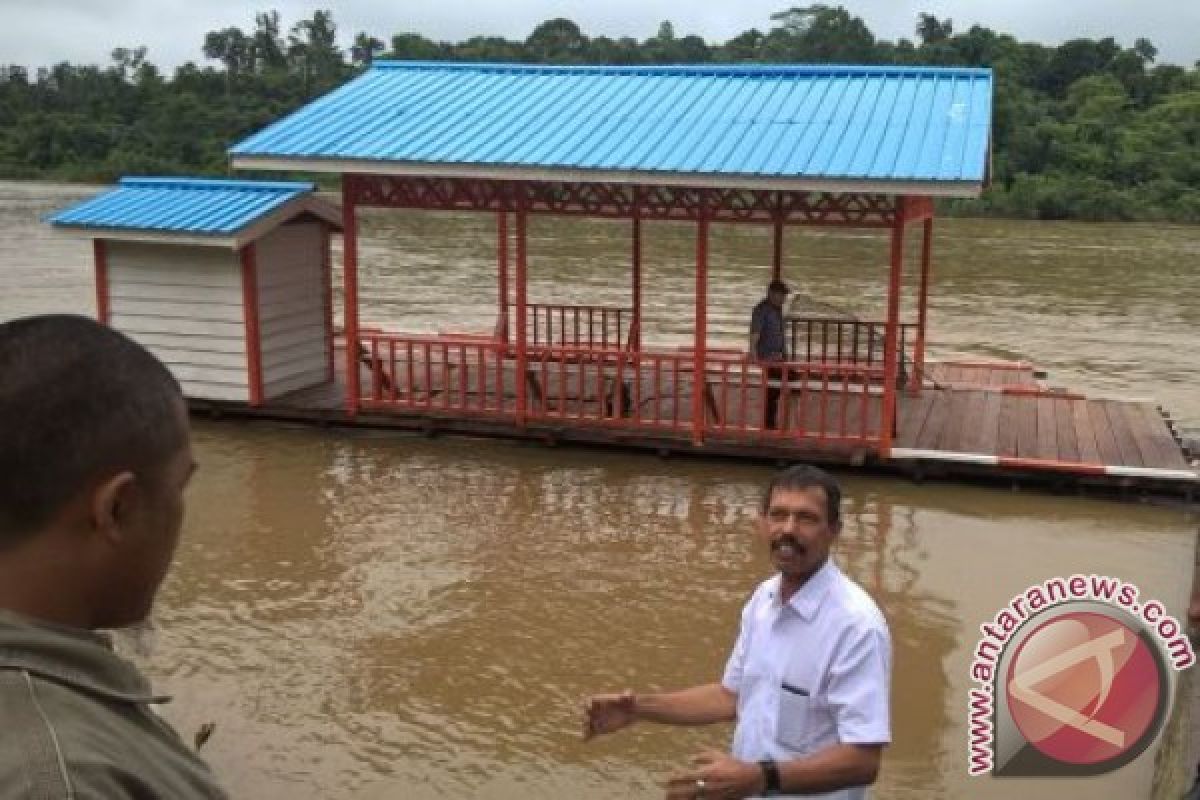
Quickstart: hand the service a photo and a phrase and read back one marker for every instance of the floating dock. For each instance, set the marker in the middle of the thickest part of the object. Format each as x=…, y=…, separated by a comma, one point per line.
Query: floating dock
x=231, y=283
x=991, y=422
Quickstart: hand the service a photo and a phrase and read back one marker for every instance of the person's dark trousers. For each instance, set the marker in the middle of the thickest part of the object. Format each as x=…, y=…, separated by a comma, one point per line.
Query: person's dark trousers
x=771, y=408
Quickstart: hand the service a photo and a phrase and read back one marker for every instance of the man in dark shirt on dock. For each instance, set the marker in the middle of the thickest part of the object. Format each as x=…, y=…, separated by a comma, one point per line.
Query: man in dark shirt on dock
x=93, y=466
x=768, y=343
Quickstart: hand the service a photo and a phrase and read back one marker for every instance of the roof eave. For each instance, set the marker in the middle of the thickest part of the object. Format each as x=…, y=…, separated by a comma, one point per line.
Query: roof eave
x=927, y=188
x=146, y=235
x=232, y=240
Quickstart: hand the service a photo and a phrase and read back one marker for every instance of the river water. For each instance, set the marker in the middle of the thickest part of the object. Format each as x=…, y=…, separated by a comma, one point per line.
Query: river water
x=385, y=616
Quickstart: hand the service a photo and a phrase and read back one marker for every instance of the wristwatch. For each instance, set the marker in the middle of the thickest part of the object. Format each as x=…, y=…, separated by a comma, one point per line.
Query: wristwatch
x=770, y=771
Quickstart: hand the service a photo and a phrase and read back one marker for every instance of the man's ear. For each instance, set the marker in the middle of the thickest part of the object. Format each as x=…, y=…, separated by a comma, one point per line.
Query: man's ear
x=112, y=500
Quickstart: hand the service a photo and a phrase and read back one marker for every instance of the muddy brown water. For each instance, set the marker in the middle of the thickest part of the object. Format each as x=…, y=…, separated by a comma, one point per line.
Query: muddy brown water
x=384, y=616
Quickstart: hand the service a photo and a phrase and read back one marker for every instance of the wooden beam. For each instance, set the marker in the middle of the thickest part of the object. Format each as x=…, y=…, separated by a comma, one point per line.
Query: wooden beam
x=700, y=336
x=777, y=246
x=636, y=337
x=103, y=308
x=250, y=316
x=502, y=273
x=891, y=333
x=522, y=303
x=350, y=295
x=918, y=373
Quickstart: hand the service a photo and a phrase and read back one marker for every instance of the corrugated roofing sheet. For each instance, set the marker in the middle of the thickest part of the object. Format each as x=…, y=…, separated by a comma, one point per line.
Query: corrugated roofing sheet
x=181, y=205
x=853, y=123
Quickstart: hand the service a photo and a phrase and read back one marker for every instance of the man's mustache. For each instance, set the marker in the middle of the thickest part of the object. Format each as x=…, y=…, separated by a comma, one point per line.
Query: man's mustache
x=787, y=540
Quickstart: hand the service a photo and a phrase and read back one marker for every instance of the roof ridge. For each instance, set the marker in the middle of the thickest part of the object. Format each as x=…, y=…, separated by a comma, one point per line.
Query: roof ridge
x=216, y=183
x=771, y=70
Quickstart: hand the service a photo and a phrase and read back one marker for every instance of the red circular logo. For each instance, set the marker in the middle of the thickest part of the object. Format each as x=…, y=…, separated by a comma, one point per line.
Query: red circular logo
x=1084, y=688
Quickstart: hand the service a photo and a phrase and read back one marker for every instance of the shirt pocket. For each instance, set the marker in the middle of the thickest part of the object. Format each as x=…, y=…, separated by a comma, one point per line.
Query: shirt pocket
x=793, y=725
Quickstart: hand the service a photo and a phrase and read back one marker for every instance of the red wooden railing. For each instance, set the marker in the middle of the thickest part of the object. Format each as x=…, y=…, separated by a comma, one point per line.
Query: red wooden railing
x=615, y=388
x=845, y=341
x=654, y=391
x=579, y=326
x=816, y=402
x=456, y=375
x=612, y=387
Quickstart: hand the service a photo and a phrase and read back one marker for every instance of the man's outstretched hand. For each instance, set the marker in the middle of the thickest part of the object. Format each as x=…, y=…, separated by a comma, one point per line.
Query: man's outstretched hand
x=608, y=713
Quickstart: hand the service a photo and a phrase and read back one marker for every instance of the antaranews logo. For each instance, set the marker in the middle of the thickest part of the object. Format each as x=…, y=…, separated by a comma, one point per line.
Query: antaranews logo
x=1075, y=676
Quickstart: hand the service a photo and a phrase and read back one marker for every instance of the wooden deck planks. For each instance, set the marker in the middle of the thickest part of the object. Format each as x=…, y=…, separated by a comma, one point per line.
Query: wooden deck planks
x=1006, y=445
x=1152, y=430
x=931, y=431
x=952, y=426
x=987, y=428
x=966, y=409
x=1068, y=444
x=1106, y=442
x=1047, y=429
x=964, y=420
x=1085, y=435
x=1131, y=455
x=914, y=411
x=1027, y=419
x=1059, y=429
x=1142, y=434
x=978, y=376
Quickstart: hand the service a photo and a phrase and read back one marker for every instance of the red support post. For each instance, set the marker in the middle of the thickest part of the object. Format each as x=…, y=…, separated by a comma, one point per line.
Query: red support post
x=918, y=373
x=700, y=339
x=502, y=273
x=254, y=377
x=100, y=254
x=636, y=338
x=522, y=351
x=350, y=292
x=891, y=333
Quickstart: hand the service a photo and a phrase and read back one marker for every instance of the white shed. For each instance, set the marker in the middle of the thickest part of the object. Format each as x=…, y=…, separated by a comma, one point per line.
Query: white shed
x=226, y=281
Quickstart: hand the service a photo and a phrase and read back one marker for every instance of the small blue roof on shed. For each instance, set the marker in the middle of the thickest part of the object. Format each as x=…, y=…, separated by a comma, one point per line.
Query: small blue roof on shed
x=801, y=126
x=181, y=205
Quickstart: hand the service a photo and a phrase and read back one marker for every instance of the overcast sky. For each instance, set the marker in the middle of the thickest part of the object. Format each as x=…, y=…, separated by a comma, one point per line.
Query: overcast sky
x=41, y=32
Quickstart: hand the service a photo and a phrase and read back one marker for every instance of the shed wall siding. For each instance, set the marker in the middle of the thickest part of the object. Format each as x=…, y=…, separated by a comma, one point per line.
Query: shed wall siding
x=291, y=308
x=184, y=304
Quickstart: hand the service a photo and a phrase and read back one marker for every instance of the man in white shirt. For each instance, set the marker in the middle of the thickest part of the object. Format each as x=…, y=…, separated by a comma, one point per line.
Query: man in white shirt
x=808, y=678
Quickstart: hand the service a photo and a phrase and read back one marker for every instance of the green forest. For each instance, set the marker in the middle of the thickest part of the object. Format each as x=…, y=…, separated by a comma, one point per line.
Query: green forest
x=1090, y=129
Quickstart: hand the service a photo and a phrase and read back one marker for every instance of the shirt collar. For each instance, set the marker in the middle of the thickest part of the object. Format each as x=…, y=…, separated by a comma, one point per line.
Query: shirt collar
x=79, y=658
x=807, y=599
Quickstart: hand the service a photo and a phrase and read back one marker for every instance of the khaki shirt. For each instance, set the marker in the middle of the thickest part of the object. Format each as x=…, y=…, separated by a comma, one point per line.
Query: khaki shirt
x=75, y=722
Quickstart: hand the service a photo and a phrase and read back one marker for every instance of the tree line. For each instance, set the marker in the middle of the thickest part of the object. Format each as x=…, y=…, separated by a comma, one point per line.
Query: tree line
x=1088, y=129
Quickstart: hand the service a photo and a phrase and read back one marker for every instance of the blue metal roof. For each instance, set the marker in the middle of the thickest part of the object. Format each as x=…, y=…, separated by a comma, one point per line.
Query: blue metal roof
x=181, y=205
x=877, y=124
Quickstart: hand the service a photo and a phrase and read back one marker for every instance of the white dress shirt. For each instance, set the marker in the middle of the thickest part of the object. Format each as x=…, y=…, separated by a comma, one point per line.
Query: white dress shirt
x=810, y=673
